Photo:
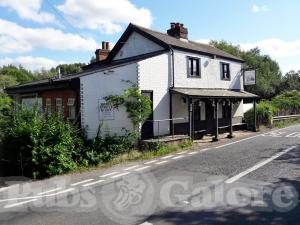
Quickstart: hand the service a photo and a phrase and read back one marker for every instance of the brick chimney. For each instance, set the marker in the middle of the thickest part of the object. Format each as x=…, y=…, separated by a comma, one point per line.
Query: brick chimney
x=178, y=30
x=101, y=54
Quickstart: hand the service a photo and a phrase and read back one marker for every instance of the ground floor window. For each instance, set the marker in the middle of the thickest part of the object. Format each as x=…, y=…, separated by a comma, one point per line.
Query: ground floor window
x=48, y=106
x=59, y=106
x=72, y=109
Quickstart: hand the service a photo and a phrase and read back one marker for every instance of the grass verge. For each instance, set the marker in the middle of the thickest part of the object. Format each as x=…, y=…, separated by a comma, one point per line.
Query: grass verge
x=286, y=123
x=135, y=155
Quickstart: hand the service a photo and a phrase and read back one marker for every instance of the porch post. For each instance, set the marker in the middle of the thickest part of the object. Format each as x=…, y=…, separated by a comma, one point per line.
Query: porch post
x=190, y=108
x=254, y=116
x=231, y=116
x=171, y=114
x=216, y=109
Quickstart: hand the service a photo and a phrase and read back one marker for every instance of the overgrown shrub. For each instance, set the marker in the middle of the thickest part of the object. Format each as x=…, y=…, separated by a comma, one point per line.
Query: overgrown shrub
x=288, y=101
x=41, y=145
x=104, y=149
x=265, y=111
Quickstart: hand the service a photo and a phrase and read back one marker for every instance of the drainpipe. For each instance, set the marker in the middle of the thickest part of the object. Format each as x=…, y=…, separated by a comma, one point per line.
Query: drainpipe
x=170, y=94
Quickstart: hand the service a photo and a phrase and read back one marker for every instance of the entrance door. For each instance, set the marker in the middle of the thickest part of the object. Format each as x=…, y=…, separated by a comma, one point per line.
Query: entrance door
x=147, y=128
x=209, y=117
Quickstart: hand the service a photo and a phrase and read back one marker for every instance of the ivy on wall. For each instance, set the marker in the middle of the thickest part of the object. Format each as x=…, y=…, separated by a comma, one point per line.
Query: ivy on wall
x=137, y=105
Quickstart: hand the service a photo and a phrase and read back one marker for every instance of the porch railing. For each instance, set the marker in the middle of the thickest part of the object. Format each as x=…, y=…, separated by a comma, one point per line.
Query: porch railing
x=165, y=120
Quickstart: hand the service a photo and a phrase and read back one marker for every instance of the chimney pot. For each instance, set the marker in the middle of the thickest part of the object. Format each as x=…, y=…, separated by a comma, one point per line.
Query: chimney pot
x=101, y=54
x=103, y=44
x=178, y=30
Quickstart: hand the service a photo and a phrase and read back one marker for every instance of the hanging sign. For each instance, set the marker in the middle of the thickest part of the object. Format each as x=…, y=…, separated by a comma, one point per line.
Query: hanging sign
x=249, y=77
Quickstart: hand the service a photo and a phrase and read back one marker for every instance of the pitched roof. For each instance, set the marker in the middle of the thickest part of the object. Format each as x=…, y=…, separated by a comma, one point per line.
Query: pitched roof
x=167, y=41
x=89, y=70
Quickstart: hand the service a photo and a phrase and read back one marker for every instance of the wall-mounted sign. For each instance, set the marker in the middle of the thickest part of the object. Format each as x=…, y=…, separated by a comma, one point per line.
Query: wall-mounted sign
x=106, y=111
x=250, y=77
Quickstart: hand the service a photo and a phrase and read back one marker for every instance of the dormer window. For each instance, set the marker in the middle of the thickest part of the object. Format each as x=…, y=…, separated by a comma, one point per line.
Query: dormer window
x=193, y=67
x=225, y=71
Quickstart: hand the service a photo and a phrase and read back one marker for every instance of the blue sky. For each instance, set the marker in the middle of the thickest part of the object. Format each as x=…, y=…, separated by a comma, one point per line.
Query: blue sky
x=44, y=33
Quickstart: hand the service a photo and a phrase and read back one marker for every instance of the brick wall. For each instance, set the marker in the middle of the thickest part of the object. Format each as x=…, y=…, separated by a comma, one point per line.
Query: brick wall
x=64, y=95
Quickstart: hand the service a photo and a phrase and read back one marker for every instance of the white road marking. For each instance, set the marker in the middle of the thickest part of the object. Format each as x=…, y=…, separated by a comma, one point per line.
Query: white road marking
x=178, y=157
x=274, y=134
x=37, y=197
x=4, y=189
x=93, y=183
x=231, y=143
x=49, y=191
x=192, y=153
x=257, y=166
x=142, y=168
x=294, y=134
x=120, y=175
x=132, y=167
x=109, y=174
x=180, y=153
x=162, y=162
x=146, y=223
x=168, y=156
x=81, y=182
x=150, y=162
x=18, y=204
x=58, y=193
x=204, y=150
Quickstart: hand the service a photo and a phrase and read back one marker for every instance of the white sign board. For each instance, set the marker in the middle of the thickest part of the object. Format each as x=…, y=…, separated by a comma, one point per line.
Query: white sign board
x=106, y=111
x=249, y=77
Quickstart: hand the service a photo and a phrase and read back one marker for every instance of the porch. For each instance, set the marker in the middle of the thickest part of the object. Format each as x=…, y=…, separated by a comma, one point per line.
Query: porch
x=208, y=111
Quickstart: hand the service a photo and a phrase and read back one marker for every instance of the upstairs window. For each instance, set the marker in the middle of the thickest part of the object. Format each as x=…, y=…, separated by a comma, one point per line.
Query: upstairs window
x=193, y=67
x=225, y=71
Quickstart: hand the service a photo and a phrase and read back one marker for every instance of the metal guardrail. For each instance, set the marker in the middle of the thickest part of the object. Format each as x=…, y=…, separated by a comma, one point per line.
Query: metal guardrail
x=277, y=118
x=164, y=120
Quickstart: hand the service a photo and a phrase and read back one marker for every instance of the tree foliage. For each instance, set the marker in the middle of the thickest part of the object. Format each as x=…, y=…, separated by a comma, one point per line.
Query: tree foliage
x=268, y=78
x=137, y=105
x=290, y=81
x=289, y=100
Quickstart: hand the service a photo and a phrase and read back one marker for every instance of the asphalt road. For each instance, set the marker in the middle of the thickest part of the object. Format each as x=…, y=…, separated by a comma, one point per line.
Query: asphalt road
x=250, y=181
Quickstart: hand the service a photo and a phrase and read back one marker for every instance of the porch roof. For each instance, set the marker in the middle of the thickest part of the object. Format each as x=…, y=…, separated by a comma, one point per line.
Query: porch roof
x=214, y=93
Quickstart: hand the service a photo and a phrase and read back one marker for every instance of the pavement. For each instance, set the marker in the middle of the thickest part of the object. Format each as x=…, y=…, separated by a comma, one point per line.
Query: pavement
x=252, y=180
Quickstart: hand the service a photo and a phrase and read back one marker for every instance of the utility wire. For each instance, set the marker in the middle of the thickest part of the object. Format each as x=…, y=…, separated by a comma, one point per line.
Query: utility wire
x=65, y=21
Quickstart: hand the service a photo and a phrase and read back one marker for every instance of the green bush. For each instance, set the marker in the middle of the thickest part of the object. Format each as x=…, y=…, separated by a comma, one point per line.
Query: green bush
x=104, y=149
x=265, y=111
x=289, y=101
x=41, y=145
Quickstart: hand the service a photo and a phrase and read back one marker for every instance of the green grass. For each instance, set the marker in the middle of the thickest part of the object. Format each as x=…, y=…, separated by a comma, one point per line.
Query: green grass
x=286, y=123
x=136, y=155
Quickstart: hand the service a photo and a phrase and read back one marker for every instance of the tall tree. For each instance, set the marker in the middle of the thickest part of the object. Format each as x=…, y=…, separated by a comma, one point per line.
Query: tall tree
x=291, y=81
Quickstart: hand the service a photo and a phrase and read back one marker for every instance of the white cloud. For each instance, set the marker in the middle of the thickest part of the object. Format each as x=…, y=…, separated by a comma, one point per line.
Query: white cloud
x=104, y=15
x=29, y=9
x=18, y=39
x=256, y=8
x=31, y=63
x=275, y=47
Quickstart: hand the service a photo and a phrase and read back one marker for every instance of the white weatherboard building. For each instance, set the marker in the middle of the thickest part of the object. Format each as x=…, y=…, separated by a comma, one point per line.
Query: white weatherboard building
x=190, y=84
x=195, y=88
